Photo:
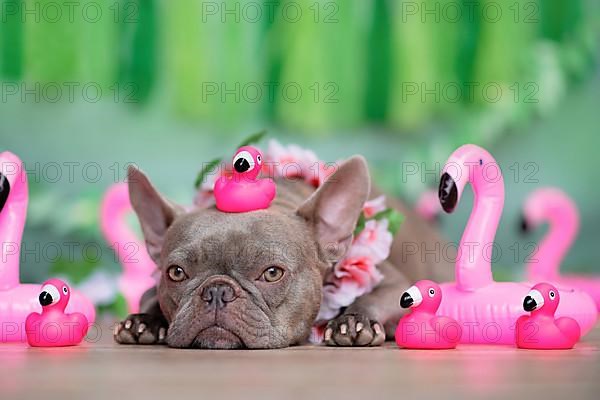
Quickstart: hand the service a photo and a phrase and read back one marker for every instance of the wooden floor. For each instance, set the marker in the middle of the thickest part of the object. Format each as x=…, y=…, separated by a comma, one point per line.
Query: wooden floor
x=105, y=370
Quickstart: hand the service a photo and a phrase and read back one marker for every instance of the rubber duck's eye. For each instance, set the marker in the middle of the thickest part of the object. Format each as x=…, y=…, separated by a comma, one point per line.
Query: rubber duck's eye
x=176, y=273
x=243, y=162
x=259, y=159
x=552, y=295
x=65, y=290
x=272, y=274
x=431, y=292
x=480, y=161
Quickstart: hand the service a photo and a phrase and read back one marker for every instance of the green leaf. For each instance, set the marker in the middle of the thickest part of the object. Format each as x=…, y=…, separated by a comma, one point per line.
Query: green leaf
x=395, y=219
x=118, y=308
x=76, y=270
x=206, y=169
x=360, y=224
x=254, y=138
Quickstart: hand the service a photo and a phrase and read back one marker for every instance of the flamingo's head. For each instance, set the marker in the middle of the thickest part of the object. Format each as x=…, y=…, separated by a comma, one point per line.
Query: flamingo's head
x=547, y=205
x=11, y=172
x=425, y=295
x=543, y=296
x=54, y=293
x=468, y=164
x=247, y=162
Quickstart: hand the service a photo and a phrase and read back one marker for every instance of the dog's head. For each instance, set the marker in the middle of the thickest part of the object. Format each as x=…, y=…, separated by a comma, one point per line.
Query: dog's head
x=250, y=279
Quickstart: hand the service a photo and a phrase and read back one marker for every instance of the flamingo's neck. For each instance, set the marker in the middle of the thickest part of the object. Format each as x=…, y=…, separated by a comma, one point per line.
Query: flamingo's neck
x=473, y=266
x=12, y=223
x=130, y=250
x=544, y=263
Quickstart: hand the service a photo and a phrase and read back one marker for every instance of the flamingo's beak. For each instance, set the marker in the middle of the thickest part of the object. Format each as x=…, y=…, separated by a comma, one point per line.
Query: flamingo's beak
x=448, y=193
x=525, y=228
x=45, y=299
x=241, y=165
x=4, y=190
x=411, y=298
x=533, y=301
x=49, y=295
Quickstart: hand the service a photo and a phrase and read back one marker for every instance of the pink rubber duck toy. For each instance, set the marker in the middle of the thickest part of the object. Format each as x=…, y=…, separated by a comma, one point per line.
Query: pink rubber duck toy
x=243, y=191
x=421, y=328
x=54, y=328
x=541, y=330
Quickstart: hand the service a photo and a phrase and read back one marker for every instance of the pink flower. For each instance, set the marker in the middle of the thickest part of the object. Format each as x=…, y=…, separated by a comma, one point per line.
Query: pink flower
x=374, y=207
x=291, y=161
x=373, y=241
x=351, y=278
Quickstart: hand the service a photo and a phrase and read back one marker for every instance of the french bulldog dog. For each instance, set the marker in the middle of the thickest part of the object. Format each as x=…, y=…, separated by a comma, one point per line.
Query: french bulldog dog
x=254, y=280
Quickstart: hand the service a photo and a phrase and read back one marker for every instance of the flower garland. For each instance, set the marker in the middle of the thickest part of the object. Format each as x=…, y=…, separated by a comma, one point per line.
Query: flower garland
x=356, y=274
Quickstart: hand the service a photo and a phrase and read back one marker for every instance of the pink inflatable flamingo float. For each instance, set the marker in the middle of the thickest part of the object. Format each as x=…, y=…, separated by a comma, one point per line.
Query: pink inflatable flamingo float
x=138, y=267
x=553, y=206
x=488, y=310
x=18, y=300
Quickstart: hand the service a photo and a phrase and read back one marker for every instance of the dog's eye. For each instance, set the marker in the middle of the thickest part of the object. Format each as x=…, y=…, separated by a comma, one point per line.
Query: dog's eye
x=176, y=273
x=272, y=274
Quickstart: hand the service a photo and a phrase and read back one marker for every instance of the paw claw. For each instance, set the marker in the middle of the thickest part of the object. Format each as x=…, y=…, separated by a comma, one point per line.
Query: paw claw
x=343, y=329
x=141, y=329
x=354, y=330
x=377, y=328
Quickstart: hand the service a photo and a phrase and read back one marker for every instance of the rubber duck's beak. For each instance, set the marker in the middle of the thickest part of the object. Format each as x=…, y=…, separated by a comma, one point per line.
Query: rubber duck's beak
x=533, y=301
x=241, y=165
x=411, y=298
x=406, y=300
x=529, y=304
x=45, y=299
x=448, y=193
x=4, y=190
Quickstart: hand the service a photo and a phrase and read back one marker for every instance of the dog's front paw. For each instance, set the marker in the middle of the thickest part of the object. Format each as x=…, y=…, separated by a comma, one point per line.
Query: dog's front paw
x=354, y=330
x=141, y=329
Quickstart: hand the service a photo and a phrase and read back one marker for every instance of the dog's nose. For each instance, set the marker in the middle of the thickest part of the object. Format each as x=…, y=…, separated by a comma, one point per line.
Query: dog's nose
x=218, y=294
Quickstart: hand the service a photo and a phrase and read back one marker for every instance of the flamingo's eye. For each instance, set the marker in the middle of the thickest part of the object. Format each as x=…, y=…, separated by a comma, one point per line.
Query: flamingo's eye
x=259, y=159
x=65, y=290
x=480, y=161
x=431, y=292
x=552, y=295
x=243, y=162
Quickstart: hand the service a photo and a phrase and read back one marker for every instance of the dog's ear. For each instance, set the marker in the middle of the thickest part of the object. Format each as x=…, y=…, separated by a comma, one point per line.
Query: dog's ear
x=334, y=208
x=154, y=212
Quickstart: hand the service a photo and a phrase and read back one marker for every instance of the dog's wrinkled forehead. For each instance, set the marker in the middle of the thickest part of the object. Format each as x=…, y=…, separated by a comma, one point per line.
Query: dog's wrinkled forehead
x=226, y=240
